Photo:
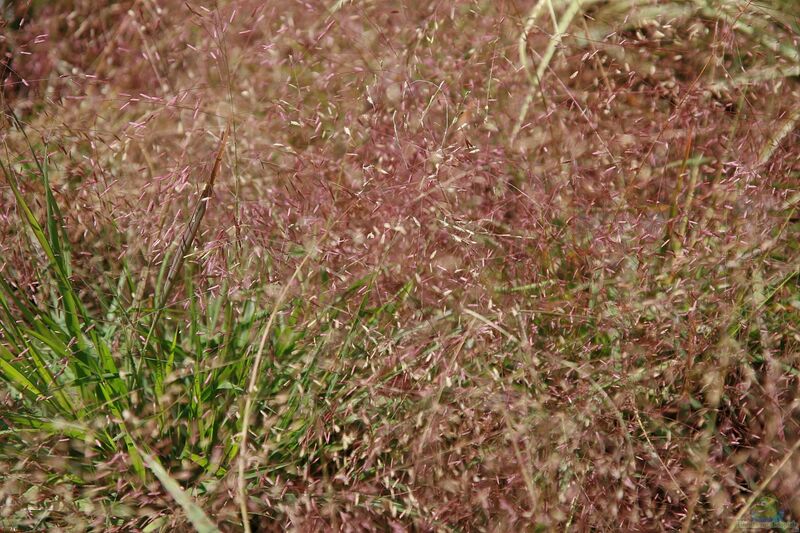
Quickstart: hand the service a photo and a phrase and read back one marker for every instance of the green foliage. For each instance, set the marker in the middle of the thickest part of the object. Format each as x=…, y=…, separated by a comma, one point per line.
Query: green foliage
x=124, y=382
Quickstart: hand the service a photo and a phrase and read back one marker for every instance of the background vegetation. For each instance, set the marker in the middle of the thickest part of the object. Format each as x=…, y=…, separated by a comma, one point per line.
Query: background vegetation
x=476, y=265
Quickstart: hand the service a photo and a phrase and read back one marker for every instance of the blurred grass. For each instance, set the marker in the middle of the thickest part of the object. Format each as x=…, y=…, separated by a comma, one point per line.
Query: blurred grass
x=516, y=265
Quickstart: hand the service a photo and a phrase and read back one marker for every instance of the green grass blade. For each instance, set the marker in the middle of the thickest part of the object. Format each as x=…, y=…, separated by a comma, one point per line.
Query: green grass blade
x=201, y=522
x=16, y=378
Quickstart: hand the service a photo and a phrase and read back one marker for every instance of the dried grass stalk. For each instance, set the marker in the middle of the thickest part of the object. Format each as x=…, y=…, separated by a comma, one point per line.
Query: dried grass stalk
x=187, y=238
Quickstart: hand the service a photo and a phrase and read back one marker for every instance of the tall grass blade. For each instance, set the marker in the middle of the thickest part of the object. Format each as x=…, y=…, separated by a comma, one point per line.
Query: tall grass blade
x=201, y=522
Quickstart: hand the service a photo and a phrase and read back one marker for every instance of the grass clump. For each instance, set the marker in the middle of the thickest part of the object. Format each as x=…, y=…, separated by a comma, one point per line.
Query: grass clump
x=475, y=266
